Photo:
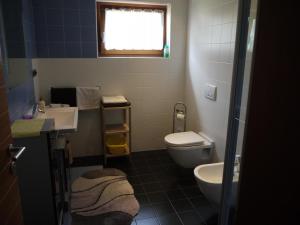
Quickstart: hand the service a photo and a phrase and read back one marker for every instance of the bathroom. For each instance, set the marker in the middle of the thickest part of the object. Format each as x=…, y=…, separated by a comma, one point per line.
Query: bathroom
x=186, y=110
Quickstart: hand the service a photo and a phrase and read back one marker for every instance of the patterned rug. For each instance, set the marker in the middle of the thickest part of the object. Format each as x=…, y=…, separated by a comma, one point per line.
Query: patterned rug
x=103, y=197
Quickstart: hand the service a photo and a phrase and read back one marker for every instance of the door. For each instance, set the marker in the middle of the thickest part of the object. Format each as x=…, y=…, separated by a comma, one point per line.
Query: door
x=10, y=202
x=268, y=188
x=270, y=170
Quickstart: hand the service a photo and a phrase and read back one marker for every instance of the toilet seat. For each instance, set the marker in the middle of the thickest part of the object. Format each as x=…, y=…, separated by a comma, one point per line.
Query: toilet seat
x=184, y=139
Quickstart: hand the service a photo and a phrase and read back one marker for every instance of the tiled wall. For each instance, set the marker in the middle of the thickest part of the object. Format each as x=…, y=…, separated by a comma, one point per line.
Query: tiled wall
x=65, y=28
x=29, y=29
x=211, y=41
x=153, y=85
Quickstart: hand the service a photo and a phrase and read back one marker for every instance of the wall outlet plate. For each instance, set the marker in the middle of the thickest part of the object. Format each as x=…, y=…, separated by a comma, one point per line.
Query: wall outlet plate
x=210, y=92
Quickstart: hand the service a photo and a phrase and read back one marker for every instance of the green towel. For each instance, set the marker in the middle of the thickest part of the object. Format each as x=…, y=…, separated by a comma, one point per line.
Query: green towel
x=27, y=128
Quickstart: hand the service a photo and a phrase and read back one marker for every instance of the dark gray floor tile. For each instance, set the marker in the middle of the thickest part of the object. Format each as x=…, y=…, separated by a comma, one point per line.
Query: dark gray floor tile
x=163, y=209
x=152, y=187
x=134, y=180
x=200, y=201
x=150, y=221
x=182, y=205
x=147, y=178
x=186, y=182
x=169, y=185
x=142, y=199
x=138, y=189
x=131, y=172
x=191, y=218
x=143, y=170
x=146, y=212
x=154, y=161
x=204, y=208
x=140, y=163
x=214, y=220
x=157, y=197
x=137, y=157
x=191, y=192
x=158, y=169
x=175, y=195
x=171, y=219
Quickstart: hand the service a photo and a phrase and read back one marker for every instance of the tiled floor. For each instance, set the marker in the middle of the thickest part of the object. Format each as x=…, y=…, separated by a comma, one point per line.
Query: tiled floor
x=167, y=193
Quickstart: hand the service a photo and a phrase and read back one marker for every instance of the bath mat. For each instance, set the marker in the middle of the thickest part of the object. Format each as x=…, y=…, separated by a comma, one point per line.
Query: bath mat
x=102, y=173
x=113, y=218
x=103, y=197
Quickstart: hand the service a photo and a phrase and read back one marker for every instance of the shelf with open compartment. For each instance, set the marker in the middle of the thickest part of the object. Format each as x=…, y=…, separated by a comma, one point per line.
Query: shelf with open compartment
x=116, y=130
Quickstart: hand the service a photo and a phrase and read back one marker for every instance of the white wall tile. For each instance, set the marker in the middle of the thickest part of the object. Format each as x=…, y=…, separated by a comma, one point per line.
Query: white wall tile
x=228, y=12
x=213, y=66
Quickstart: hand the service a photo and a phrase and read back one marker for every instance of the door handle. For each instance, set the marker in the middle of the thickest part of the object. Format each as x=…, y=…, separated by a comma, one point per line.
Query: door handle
x=15, y=152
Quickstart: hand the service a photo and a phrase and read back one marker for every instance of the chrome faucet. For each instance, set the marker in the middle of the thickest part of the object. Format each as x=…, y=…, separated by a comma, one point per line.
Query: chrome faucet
x=237, y=163
x=38, y=108
x=41, y=106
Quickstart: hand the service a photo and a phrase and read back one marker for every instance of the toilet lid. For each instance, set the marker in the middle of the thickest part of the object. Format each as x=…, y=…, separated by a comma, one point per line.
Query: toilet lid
x=189, y=138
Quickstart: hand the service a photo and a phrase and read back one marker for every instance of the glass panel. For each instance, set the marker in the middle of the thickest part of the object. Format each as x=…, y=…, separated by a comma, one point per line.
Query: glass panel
x=134, y=29
x=16, y=65
x=243, y=104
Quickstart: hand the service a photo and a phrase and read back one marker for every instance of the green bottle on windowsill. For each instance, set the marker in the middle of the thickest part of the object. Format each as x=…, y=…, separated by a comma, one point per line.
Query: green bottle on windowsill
x=166, y=51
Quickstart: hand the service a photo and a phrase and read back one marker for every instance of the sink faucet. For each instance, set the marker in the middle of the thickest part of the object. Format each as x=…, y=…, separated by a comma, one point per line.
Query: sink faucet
x=40, y=106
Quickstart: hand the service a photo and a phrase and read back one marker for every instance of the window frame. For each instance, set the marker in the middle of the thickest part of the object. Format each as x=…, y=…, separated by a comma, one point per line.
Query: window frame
x=102, y=52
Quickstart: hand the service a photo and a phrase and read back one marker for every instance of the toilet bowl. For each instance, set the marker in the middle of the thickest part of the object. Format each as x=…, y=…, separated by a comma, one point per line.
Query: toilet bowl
x=209, y=179
x=189, y=149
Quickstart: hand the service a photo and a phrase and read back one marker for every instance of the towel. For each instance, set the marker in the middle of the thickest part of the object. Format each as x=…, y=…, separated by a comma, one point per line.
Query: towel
x=88, y=98
x=27, y=128
x=114, y=101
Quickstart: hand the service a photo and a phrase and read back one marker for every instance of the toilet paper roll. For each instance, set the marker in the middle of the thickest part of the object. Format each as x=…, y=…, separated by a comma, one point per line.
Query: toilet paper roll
x=180, y=116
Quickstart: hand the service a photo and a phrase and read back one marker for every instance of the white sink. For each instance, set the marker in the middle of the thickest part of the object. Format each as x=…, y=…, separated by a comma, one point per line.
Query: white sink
x=65, y=118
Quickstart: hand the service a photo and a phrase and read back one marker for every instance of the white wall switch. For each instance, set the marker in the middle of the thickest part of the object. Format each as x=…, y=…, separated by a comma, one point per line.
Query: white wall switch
x=211, y=92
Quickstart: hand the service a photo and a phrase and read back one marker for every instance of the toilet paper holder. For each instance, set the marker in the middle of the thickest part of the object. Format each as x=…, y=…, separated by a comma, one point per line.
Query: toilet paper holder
x=179, y=114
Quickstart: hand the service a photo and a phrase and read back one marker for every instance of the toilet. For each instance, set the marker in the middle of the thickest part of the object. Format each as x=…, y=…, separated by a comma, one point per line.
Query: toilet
x=189, y=149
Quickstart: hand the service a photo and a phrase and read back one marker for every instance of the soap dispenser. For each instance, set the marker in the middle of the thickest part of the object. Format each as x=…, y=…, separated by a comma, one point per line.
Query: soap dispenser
x=166, y=51
x=41, y=106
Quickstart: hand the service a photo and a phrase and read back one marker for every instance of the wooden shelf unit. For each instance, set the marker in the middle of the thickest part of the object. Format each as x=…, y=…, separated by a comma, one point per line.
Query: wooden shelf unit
x=110, y=129
x=117, y=129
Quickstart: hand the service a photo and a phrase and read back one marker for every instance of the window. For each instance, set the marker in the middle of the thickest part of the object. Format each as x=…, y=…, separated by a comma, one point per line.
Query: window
x=131, y=29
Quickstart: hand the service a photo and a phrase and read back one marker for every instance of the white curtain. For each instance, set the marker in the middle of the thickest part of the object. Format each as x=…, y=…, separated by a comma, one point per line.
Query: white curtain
x=133, y=29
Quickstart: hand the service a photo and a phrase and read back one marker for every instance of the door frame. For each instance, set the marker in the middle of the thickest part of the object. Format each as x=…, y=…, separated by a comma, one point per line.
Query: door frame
x=234, y=111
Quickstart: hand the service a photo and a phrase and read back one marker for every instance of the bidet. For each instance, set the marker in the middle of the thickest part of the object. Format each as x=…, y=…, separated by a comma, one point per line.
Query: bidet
x=209, y=178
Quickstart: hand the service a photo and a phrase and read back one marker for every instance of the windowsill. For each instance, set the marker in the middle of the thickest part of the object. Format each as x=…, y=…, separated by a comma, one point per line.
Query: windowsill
x=131, y=57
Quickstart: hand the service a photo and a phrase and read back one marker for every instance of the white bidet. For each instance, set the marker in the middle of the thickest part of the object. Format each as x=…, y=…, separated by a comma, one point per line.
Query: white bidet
x=209, y=178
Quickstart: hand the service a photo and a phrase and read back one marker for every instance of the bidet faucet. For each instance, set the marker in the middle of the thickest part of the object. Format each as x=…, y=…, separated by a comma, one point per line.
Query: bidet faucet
x=237, y=163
